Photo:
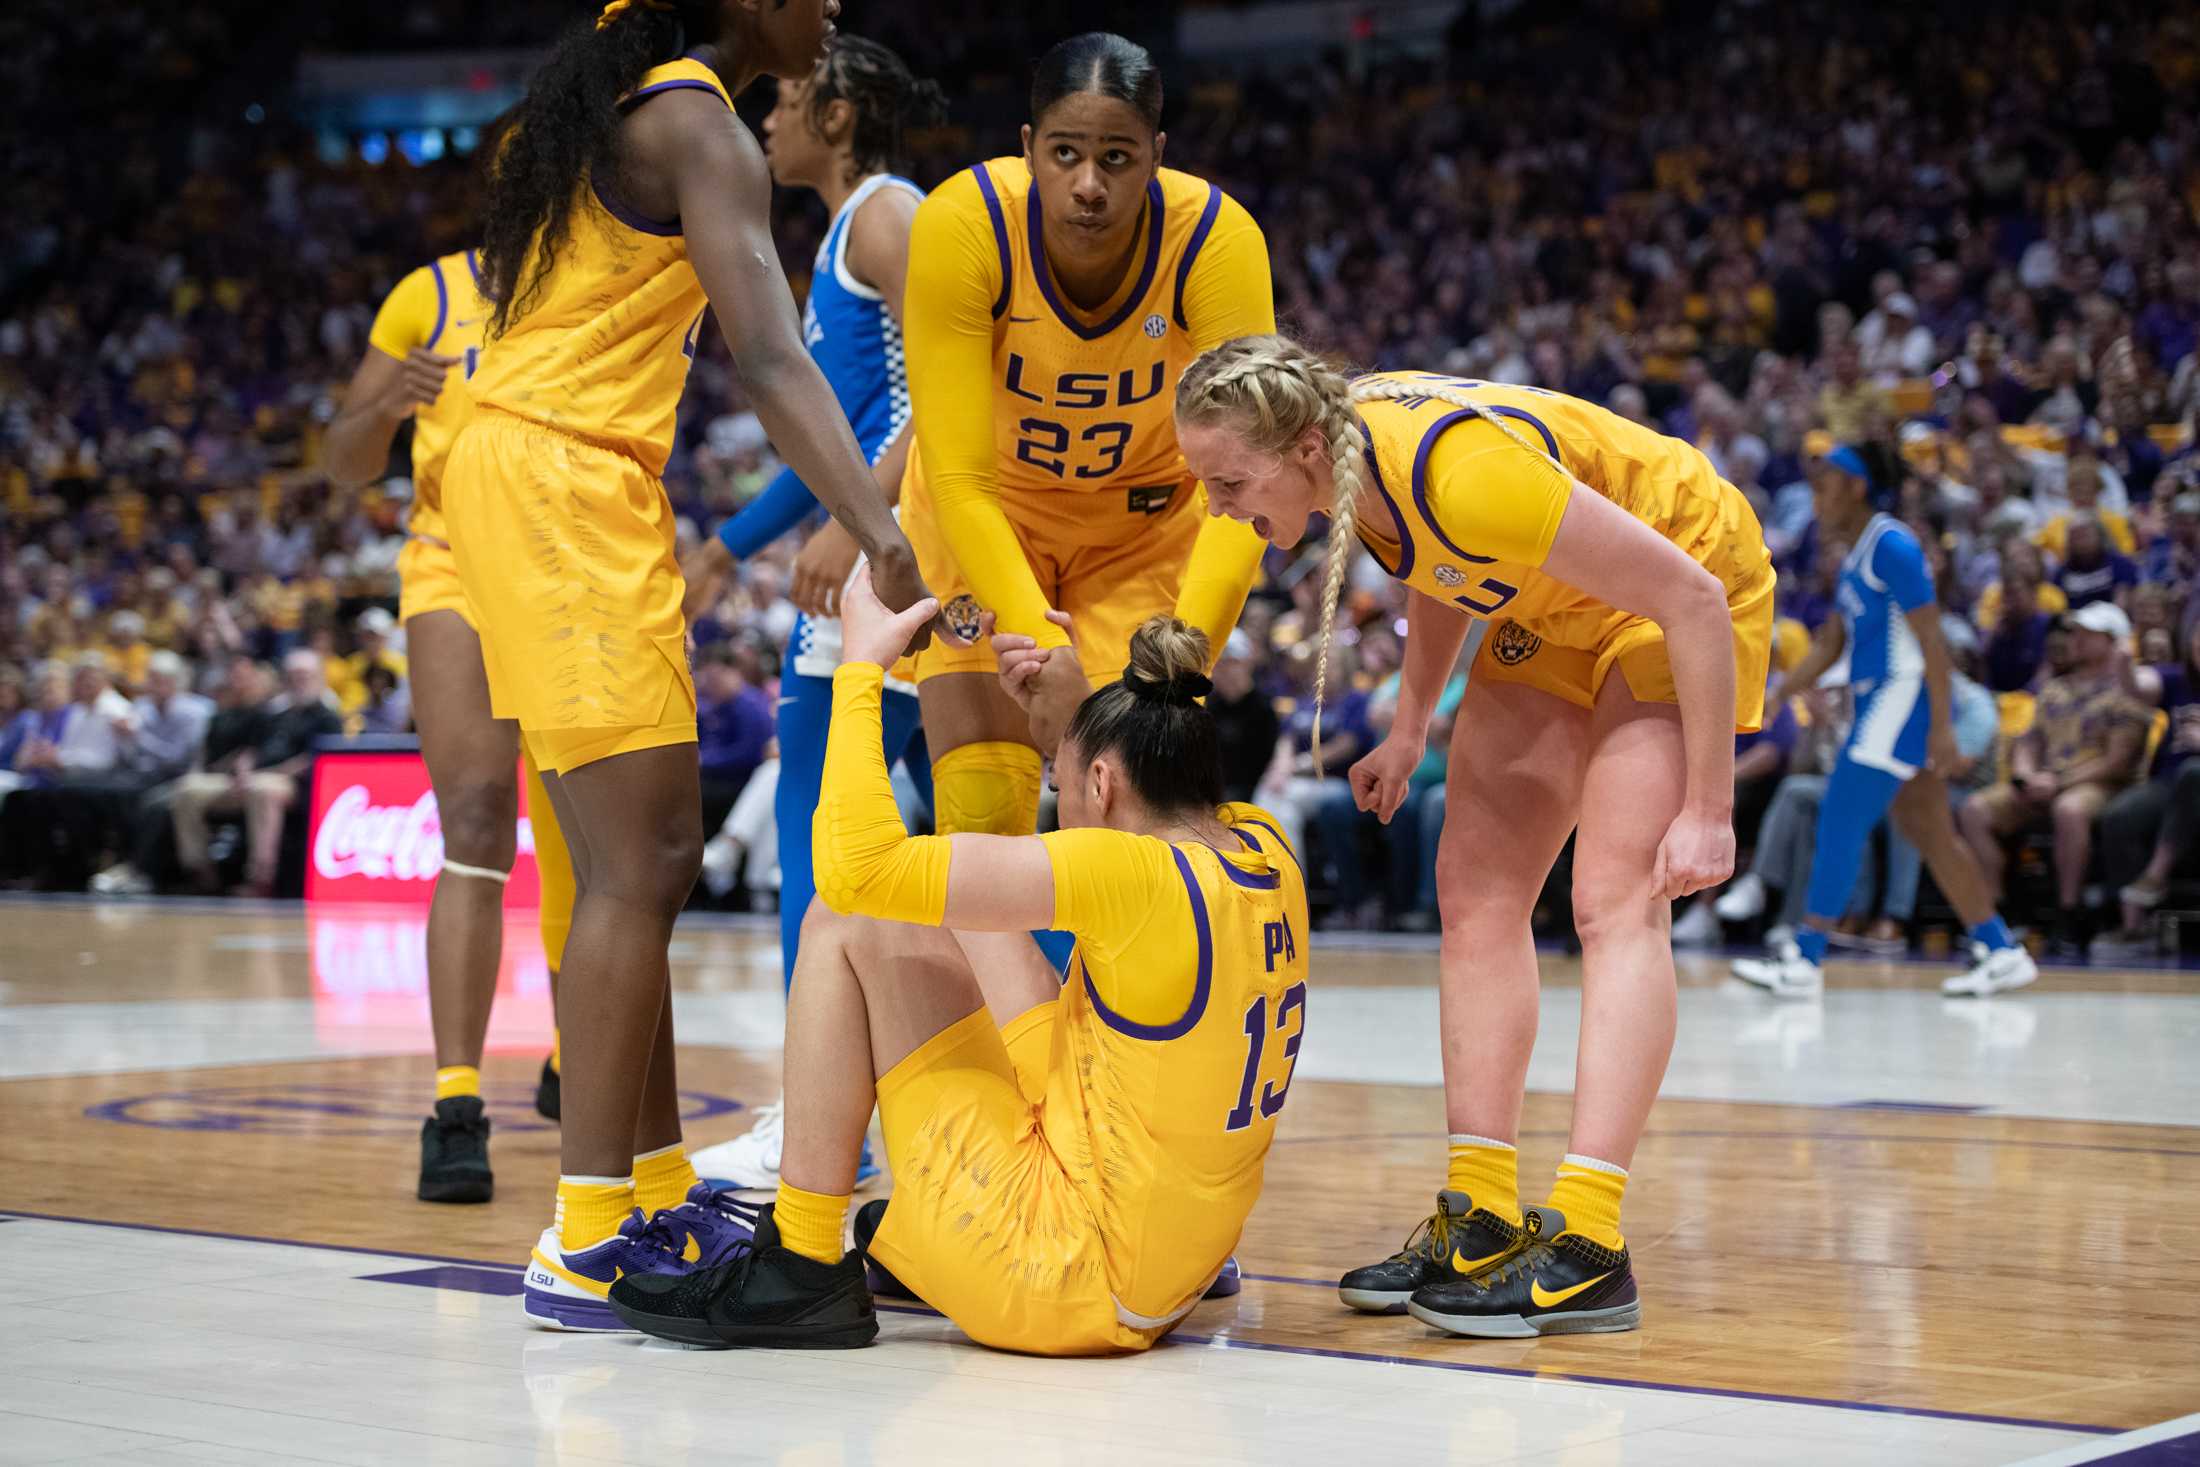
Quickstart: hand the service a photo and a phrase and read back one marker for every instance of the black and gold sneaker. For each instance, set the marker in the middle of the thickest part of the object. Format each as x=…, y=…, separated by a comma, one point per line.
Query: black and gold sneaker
x=1456, y=1240
x=1558, y=1283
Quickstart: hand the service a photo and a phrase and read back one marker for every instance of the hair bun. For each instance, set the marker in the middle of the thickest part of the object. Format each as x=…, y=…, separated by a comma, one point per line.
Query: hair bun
x=1183, y=690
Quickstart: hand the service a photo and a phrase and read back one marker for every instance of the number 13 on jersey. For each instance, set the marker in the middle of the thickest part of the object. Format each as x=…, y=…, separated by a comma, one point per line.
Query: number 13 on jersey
x=1289, y=1023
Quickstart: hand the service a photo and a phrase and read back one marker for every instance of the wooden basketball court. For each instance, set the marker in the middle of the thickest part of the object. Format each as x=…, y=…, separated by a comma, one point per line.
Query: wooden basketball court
x=1916, y=1229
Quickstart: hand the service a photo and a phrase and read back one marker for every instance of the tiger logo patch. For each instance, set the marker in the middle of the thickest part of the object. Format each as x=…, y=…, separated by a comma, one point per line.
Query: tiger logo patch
x=1449, y=575
x=1514, y=644
x=964, y=617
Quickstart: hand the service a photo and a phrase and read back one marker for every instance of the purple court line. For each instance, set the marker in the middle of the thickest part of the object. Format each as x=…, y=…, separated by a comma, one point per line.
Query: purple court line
x=1655, y=1135
x=1218, y=1342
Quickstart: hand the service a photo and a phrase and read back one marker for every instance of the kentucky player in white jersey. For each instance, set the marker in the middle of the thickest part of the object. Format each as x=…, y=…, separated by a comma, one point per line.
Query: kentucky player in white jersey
x=1901, y=747
x=835, y=133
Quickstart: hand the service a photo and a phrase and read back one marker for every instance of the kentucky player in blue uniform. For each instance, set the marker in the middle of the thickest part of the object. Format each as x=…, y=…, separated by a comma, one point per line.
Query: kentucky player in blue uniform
x=1900, y=748
x=835, y=133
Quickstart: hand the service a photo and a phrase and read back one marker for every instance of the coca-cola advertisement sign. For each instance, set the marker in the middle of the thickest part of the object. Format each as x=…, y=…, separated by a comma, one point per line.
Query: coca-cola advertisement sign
x=376, y=837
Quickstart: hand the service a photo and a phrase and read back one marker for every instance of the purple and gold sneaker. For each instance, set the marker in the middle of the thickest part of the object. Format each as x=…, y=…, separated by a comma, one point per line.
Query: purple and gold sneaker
x=567, y=1290
x=704, y=1229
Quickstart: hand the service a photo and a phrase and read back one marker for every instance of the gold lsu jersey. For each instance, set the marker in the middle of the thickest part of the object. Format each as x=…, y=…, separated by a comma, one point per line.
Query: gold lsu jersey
x=438, y=307
x=1477, y=513
x=1178, y=1031
x=604, y=350
x=1037, y=422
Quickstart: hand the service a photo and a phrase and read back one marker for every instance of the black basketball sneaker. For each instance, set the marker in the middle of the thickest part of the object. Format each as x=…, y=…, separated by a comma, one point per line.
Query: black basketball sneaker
x=1456, y=1240
x=763, y=1294
x=548, y=1096
x=454, y=1152
x=1559, y=1283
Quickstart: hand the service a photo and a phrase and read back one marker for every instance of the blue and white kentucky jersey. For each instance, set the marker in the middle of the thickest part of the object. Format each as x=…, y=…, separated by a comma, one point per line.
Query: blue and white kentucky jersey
x=1882, y=582
x=853, y=337
x=857, y=345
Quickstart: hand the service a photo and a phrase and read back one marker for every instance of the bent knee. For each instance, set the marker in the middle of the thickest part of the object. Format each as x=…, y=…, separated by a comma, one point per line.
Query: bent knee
x=1613, y=906
x=2076, y=808
x=480, y=821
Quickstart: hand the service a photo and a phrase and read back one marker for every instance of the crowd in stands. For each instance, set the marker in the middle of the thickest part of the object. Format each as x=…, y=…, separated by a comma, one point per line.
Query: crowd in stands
x=1968, y=238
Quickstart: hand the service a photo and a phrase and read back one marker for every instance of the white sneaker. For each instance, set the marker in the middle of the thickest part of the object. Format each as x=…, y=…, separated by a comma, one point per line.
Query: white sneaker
x=1778, y=937
x=1993, y=972
x=1699, y=926
x=1741, y=901
x=1785, y=973
x=122, y=880
x=721, y=854
x=749, y=1161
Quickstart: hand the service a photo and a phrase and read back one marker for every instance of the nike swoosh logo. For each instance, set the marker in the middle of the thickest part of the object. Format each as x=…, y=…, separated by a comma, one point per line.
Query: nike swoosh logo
x=1545, y=1300
x=693, y=1253
x=1023, y=320
x=469, y=321
x=1476, y=1265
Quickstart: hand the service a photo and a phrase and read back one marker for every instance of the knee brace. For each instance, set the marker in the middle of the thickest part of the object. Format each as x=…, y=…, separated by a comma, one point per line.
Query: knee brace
x=987, y=789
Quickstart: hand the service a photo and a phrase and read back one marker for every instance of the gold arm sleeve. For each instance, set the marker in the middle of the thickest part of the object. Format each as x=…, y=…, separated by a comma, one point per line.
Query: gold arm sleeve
x=1228, y=295
x=1124, y=898
x=954, y=276
x=867, y=863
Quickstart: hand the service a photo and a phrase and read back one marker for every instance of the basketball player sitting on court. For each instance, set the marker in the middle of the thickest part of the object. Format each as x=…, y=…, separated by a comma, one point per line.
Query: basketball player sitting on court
x=1071, y=1180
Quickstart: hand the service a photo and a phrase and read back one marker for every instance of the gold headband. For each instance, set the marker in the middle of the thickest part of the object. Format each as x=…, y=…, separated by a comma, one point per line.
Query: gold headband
x=611, y=12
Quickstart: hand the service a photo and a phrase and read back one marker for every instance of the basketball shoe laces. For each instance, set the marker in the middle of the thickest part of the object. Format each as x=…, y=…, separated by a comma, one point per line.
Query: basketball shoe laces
x=1432, y=1239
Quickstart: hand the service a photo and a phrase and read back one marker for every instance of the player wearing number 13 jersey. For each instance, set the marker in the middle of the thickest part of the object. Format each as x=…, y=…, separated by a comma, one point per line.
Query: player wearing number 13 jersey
x=1071, y=1182
x=1053, y=301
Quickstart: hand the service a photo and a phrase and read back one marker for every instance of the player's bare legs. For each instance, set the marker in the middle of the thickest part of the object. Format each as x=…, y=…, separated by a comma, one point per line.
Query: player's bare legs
x=634, y=824
x=1629, y=797
x=471, y=758
x=1922, y=813
x=866, y=994
x=1513, y=793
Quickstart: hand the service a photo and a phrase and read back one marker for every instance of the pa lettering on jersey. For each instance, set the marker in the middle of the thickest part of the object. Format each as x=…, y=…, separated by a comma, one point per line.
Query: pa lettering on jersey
x=1277, y=942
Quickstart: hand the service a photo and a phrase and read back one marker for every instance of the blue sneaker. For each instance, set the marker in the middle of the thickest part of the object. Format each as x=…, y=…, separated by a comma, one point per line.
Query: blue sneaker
x=568, y=1290
x=704, y=1229
x=1227, y=1282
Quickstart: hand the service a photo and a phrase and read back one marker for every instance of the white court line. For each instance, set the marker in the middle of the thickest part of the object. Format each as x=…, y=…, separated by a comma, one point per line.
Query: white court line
x=2114, y=1446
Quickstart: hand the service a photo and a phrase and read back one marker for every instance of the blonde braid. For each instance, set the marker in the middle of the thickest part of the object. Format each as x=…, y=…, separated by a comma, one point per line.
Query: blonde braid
x=1344, y=468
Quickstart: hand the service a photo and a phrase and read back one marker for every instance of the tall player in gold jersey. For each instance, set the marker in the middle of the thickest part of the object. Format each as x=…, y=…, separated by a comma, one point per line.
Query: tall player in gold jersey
x=1632, y=604
x=429, y=327
x=1053, y=300
x=1068, y=1183
x=627, y=201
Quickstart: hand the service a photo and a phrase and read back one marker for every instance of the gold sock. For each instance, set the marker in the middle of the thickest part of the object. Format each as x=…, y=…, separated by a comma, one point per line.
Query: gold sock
x=662, y=1178
x=1488, y=1172
x=457, y=1080
x=590, y=1209
x=987, y=789
x=1587, y=1192
x=811, y=1223
x=557, y=1052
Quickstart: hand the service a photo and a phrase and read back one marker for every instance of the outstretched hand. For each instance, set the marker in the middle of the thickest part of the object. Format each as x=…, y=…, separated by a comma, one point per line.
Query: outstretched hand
x=1048, y=683
x=872, y=633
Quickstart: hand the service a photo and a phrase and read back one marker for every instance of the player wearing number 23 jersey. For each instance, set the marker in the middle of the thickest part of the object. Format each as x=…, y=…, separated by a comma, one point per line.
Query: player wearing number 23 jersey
x=1477, y=516
x=1047, y=472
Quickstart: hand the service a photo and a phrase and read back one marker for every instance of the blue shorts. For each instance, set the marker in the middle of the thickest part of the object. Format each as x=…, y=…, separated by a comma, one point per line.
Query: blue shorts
x=1893, y=722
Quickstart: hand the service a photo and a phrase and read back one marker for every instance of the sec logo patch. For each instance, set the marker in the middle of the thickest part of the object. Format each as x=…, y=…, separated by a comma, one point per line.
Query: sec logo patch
x=1157, y=326
x=1514, y=643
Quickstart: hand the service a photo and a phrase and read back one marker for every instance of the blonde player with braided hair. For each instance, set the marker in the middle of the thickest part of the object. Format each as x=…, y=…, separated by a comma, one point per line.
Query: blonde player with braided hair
x=1630, y=598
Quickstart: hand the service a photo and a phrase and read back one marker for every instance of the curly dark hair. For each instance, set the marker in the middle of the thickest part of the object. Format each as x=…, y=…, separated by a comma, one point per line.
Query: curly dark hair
x=887, y=96
x=567, y=130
